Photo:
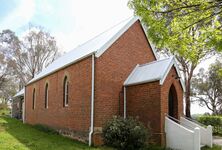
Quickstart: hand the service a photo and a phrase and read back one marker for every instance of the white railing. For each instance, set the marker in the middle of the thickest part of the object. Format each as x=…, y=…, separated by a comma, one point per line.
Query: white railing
x=205, y=133
x=179, y=137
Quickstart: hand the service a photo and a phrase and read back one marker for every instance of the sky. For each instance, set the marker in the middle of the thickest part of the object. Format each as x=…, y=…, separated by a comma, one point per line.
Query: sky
x=71, y=22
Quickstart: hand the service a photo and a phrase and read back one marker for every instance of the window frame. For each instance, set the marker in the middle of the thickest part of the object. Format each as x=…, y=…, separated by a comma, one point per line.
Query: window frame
x=46, y=96
x=65, y=92
x=33, y=98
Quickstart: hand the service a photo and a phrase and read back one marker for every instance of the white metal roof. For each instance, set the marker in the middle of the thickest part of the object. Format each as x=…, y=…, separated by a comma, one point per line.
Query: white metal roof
x=97, y=45
x=20, y=93
x=153, y=71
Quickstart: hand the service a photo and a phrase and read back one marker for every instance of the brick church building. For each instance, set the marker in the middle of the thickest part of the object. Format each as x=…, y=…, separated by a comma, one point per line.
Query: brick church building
x=115, y=73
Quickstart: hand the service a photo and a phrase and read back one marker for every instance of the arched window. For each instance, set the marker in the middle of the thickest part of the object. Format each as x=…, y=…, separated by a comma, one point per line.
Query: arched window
x=46, y=95
x=33, y=99
x=65, y=92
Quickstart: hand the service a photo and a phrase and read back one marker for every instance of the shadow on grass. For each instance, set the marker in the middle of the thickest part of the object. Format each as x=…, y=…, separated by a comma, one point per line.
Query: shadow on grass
x=34, y=139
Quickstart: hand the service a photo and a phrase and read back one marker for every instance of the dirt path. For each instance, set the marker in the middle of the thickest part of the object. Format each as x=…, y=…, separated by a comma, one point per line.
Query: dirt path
x=217, y=140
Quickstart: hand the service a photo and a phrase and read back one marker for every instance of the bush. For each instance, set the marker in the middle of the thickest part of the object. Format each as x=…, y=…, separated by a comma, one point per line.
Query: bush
x=125, y=134
x=215, y=121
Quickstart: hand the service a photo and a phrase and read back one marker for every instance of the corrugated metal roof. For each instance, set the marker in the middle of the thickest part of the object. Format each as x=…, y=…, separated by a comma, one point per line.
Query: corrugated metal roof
x=96, y=45
x=20, y=93
x=153, y=71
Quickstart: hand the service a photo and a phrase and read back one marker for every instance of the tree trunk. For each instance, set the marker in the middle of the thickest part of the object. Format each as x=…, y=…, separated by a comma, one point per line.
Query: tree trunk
x=214, y=110
x=187, y=99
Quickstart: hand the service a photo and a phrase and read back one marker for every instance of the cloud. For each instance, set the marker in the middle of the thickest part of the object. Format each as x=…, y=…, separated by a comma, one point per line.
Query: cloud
x=20, y=16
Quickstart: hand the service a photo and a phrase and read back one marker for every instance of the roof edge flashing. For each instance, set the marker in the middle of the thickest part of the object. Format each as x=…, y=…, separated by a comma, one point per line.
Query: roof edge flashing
x=131, y=74
x=142, y=82
x=167, y=70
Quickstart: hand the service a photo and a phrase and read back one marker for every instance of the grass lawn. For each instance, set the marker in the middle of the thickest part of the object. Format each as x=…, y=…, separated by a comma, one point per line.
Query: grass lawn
x=14, y=135
x=215, y=147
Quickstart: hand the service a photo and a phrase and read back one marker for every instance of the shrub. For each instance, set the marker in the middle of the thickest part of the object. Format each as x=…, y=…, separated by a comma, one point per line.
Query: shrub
x=125, y=134
x=215, y=121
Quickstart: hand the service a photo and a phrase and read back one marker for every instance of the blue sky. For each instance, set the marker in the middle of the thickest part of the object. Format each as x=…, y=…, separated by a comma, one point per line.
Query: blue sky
x=71, y=21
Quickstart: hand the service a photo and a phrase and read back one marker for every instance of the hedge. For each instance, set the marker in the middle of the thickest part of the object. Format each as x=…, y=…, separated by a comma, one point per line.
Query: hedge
x=215, y=121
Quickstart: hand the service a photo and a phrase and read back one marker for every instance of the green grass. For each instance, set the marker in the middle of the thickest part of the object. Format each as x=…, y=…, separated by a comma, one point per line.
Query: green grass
x=14, y=135
x=215, y=147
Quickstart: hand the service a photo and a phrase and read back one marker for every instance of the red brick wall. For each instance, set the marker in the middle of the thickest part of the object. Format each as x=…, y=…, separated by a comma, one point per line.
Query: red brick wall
x=143, y=102
x=114, y=66
x=76, y=116
x=149, y=102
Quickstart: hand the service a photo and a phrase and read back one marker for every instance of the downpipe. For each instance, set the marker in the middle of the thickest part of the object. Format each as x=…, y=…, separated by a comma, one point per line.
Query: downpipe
x=92, y=101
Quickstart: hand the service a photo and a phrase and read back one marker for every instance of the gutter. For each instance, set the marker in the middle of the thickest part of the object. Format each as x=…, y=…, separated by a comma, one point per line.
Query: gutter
x=92, y=101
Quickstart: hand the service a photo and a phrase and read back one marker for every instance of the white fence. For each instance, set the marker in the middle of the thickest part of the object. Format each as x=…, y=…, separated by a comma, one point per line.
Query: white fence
x=205, y=133
x=181, y=138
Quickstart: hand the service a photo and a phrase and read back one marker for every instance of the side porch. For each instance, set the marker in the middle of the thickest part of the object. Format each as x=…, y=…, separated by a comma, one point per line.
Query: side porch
x=153, y=93
x=153, y=90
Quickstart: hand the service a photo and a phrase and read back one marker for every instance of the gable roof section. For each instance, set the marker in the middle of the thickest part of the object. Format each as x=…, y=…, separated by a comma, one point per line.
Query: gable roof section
x=20, y=93
x=98, y=45
x=153, y=71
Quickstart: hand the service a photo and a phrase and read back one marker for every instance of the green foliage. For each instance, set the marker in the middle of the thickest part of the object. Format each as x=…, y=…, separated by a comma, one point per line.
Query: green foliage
x=125, y=134
x=171, y=24
x=215, y=121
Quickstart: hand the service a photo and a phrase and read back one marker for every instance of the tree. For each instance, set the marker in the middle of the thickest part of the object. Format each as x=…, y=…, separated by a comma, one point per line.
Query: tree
x=7, y=90
x=176, y=28
x=178, y=16
x=28, y=56
x=207, y=88
x=4, y=70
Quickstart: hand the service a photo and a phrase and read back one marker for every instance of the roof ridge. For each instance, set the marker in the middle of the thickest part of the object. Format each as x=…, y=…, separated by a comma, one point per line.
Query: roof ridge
x=70, y=51
x=141, y=65
x=97, y=35
x=95, y=44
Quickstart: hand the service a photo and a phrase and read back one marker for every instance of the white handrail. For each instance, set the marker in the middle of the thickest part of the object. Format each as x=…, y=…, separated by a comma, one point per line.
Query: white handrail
x=205, y=133
x=179, y=137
